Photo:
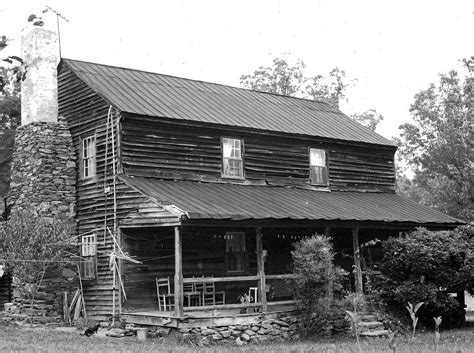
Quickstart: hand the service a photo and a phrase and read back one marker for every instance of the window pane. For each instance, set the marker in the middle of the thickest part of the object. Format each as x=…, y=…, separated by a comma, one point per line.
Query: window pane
x=88, y=156
x=232, y=164
x=318, y=175
x=317, y=157
x=227, y=148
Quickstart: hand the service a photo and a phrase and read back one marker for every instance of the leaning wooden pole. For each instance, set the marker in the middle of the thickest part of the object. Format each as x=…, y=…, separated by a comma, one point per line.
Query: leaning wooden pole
x=178, y=272
x=261, y=268
x=357, y=268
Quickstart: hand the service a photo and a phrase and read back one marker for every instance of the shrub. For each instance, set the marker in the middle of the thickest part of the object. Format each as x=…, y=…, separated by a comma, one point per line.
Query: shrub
x=426, y=267
x=316, y=277
x=31, y=246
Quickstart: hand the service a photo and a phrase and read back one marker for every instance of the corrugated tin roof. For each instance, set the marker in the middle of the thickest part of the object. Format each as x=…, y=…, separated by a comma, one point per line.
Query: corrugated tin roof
x=242, y=202
x=153, y=94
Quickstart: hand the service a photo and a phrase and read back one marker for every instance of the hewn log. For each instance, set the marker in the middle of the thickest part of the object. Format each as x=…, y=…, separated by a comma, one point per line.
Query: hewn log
x=357, y=267
x=178, y=272
x=261, y=268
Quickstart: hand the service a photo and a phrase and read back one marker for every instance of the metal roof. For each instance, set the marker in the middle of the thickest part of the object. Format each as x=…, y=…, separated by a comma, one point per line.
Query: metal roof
x=213, y=201
x=157, y=95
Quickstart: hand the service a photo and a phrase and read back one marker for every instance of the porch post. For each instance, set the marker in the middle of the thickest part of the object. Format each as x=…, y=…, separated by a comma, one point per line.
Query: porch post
x=358, y=270
x=327, y=233
x=178, y=272
x=261, y=268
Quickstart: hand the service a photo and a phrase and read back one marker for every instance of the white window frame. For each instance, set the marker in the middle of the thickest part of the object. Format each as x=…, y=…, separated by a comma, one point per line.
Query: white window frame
x=232, y=158
x=88, y=157
x=318, y=170
x=88, y=256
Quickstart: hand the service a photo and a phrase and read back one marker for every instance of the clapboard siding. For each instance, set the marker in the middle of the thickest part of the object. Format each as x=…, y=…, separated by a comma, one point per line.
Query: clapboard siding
x=179, y=151
x=86, y=113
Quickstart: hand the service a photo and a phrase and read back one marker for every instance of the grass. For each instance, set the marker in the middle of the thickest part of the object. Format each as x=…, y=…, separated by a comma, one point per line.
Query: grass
x=14, y=339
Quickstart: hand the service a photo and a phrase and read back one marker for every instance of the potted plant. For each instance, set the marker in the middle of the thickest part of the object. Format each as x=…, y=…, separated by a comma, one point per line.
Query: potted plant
x=245, y=300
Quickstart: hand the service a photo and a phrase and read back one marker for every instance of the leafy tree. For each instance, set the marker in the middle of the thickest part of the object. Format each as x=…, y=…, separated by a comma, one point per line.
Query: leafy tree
x=286, y=76
x=10, y=105
x=31, y=246
x=283, y=77
x=438, y=145
x=370, y=118
x=10, y=109
x=425, y=267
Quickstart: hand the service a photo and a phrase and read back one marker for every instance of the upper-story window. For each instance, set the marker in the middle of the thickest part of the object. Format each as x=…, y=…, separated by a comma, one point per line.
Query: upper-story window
x=318, y=173
x=88, y=160
x=232, y=163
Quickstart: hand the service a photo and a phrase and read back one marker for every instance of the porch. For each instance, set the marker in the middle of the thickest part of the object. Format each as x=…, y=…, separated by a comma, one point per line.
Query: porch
x=208, y=269
x=238, y=240
x=222, y=315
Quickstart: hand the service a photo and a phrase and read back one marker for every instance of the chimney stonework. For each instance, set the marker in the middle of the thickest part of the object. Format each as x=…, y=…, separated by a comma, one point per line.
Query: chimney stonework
x=43, y=165
x=39, y=89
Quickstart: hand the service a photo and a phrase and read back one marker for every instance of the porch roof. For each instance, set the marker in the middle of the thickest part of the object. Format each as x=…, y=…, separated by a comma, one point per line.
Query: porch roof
x=214, y=201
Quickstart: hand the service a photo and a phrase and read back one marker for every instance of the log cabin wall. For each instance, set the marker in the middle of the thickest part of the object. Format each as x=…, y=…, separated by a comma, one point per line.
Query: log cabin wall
x=86, y=113
x=160, y=148
x=204, y=252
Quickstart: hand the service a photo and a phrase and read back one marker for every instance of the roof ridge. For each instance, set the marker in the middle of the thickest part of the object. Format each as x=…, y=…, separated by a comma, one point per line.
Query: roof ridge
x=206, y=82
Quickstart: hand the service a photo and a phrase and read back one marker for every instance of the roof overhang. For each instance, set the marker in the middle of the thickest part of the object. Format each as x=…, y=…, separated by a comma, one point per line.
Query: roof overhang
x=217, y=202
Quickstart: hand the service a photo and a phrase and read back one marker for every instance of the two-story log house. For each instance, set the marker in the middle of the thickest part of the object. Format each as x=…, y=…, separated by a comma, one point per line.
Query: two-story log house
x=207, y=184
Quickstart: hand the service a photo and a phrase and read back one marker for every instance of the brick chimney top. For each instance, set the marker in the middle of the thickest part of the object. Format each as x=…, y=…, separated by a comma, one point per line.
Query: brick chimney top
x=39, y=89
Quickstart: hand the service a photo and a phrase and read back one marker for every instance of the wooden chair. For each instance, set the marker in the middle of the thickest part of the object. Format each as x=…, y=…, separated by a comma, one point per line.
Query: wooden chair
x=164, y=295
x=192, y=295
x=210, y=296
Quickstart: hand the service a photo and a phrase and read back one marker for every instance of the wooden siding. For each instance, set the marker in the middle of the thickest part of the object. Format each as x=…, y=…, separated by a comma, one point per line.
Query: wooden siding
x=190, y=152
x=86, y=114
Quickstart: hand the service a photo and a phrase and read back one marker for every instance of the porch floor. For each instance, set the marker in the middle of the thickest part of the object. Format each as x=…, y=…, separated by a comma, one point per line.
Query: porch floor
x=209, y=318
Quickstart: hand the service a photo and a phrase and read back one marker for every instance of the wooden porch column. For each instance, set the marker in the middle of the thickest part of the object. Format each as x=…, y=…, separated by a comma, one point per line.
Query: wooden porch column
x=327, y=233
x=358, y=270
x=178, y=272
x=261, y=268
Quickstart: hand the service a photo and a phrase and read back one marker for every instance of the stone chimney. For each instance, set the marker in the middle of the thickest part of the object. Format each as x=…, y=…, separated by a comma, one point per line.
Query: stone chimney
x=39, y=89
x=43, y=167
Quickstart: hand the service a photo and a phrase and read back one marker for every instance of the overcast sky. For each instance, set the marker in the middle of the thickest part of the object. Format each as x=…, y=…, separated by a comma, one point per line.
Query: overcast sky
x=393, y=48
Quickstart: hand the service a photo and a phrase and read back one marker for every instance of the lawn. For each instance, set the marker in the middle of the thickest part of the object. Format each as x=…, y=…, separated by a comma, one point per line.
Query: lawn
x=14, y=339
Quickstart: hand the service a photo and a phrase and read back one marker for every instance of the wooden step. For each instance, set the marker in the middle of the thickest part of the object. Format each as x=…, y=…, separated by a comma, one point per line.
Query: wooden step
x=377, y=333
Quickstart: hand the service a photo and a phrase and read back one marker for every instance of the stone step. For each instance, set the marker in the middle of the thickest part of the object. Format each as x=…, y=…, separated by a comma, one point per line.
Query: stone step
x=370, y=326
x=369, y=318
x=377, y=333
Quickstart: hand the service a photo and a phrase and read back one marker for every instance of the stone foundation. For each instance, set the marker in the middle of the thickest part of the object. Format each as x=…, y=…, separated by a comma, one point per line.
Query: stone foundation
x=48, y=306
x=283, y=329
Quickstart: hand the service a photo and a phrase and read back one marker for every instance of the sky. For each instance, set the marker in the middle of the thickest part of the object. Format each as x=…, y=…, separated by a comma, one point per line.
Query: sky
x=393, y=48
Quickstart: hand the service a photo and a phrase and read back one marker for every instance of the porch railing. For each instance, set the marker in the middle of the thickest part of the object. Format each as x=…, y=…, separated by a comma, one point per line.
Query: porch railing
x=262, y=304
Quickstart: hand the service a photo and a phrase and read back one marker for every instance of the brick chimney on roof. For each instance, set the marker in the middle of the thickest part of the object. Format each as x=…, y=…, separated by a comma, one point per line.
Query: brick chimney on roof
x=39, y=89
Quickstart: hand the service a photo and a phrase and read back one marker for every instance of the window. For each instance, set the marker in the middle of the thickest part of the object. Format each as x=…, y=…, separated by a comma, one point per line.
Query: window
x=236, y=255
x=88, y=157
x=88, y=254
x=317, y=167
x=232, y=163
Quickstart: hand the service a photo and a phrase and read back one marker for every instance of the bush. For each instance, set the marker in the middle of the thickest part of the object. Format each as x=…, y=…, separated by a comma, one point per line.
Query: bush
x=426, y=267
x=316, y=277
x=32, y=246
